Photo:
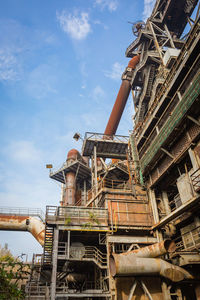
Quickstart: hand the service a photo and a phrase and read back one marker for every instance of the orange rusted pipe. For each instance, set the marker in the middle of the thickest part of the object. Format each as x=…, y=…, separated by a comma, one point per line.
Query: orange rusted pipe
x=70, y=190
x=140, y=266
x=24, y=223
x=120, y=101
x=154, y=250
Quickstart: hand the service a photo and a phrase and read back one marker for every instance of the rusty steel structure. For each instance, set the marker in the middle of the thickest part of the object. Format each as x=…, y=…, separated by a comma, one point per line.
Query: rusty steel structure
x=130, y=229
x=122, y=97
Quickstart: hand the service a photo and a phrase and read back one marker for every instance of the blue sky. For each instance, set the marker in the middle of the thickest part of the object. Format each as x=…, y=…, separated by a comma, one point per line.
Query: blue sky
x=60, y=68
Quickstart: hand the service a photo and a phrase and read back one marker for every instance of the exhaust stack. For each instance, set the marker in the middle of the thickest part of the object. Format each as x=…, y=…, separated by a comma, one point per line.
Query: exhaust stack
x=122, y=97
x=70, y=191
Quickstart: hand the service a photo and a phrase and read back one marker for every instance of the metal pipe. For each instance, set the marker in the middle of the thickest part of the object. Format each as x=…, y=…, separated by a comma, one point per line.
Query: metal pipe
x=121, y=100
x=24, y=223
x=121, y=265
x=154, y=250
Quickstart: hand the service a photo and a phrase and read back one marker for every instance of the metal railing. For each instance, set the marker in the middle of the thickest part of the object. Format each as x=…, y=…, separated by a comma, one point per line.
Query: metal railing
x=195, y=177
x=35, y=289
x=175, y=202
x=86, y=253
x=102, y=136
x=189, y=240
x=94, y=287
x=182, y=107
x=22, y=211
x=85, y=217
x=107, y=184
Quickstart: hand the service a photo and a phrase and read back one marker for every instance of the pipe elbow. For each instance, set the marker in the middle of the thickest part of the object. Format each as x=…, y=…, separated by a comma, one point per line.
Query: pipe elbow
x=134, y=61
x=37, y=229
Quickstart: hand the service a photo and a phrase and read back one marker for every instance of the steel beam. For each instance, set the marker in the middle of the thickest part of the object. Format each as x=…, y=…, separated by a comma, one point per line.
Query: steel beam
x=123, y=239
x=54, y=264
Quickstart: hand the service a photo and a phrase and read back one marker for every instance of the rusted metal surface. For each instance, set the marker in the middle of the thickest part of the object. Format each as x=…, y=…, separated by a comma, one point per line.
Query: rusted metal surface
x=132, y=265
x=70, y=181
x=126, y=210
x=134, y=61
x=72, y=154
x=124, y=285
x=120, y=102
x=69, y=197
x=75, y=277
x=154, y=250
x=118, y=108
x=24, y=223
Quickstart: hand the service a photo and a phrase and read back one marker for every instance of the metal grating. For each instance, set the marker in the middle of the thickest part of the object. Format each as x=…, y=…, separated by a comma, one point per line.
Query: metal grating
x=106, y=146
x=77, y=167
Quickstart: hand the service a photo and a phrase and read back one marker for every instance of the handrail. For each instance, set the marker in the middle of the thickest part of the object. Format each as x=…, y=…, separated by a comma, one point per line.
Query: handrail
x=23, y=211
x=89, y=252
x=108, y=184
x=101, y=136
x=195, y=242
x=195, y=177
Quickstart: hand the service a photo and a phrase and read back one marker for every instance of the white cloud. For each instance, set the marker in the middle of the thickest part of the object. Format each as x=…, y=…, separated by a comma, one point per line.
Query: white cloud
x=23, y=152
x=98, y=93
x=116, y=71
x=97, y=22
x=148, y=7
x=42, y=82
x=77, y=27
x=8, y=65
x=111, y=5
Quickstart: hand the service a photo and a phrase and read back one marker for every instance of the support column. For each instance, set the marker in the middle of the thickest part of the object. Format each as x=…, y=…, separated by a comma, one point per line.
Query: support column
x=154, y=205
x=95, y=167
x=197, y=291
x=54, y=264
x=68, y=244
x=193, y=159
x=155, y=212
x=165, y=291
x=85, y=192
x=166, y=202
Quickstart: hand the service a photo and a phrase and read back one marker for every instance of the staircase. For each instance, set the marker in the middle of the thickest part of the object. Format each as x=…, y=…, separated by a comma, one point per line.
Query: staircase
x=48, y=245
x=150, y=81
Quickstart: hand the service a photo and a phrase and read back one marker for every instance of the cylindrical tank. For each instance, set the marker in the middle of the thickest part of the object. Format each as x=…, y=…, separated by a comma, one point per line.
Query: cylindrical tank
x=70, y=190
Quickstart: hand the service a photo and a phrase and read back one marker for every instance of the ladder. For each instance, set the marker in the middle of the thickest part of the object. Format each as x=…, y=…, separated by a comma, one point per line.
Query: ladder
x=48, y=245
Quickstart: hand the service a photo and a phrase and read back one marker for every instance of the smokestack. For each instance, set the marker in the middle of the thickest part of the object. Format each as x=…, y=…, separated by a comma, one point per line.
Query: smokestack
x=121, y=99
x=70, y=191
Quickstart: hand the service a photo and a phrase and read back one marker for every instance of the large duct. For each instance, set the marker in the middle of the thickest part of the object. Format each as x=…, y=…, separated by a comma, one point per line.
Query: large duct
x=24, y=223
x=143, y=262
x=121, y=265
x=121, y=99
